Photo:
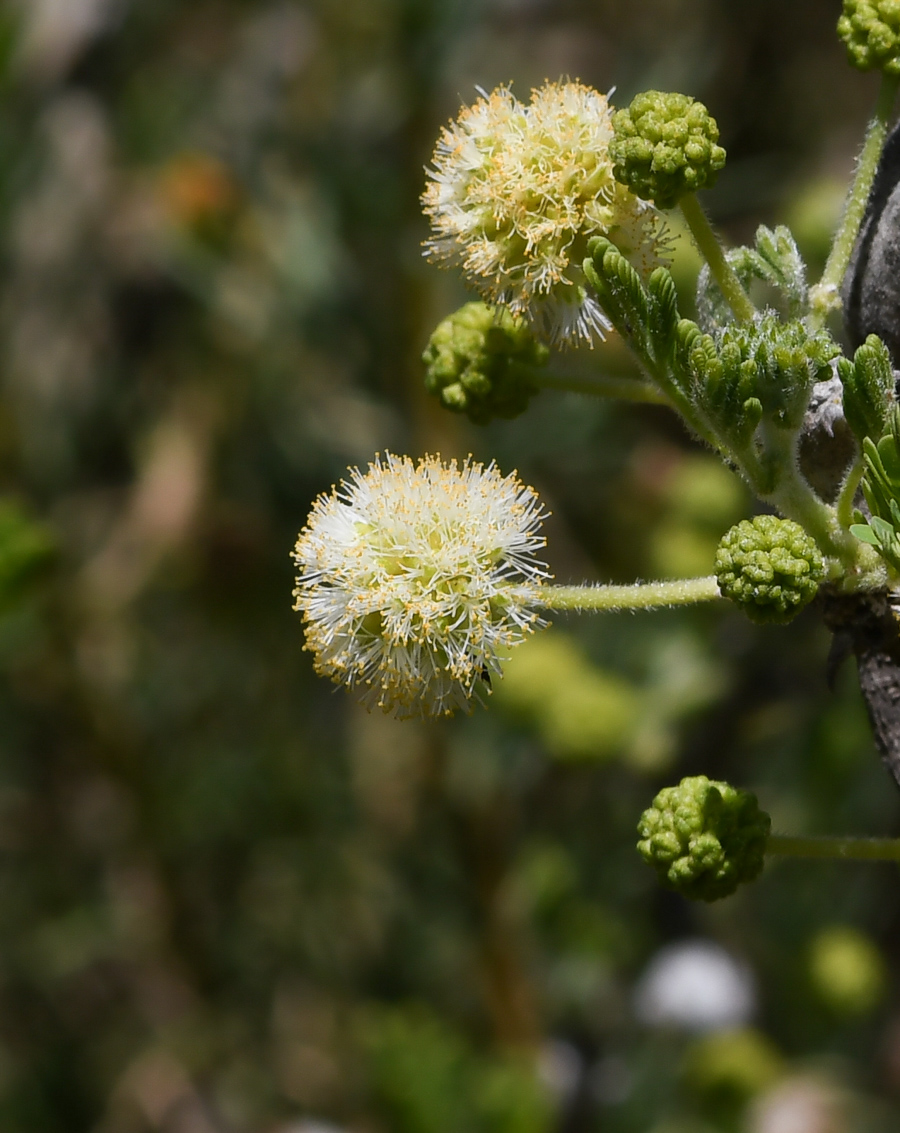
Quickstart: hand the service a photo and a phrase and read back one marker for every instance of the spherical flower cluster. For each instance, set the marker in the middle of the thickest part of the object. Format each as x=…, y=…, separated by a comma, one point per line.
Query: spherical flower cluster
x=704, y=838
x=416, y=579
x=770, y=567
x=665, y=145
x=515, y=193
x=480, y=361
x=871, y=31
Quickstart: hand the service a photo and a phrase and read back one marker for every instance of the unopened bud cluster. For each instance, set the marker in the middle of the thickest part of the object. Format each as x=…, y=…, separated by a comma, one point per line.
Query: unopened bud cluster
x=770, y=567
x=704, y=838
x=871, y=31
x=481, y=360
x=665, y=145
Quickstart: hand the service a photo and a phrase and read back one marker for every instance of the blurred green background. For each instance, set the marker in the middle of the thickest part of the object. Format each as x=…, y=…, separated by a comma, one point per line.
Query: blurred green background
x=230, y=900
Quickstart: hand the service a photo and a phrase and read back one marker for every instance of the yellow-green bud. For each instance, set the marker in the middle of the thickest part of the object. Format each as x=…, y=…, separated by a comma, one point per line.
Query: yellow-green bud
x=704, y=838
x=480, y=360
x=664, y=146
x=770, y=567
x=871, y=31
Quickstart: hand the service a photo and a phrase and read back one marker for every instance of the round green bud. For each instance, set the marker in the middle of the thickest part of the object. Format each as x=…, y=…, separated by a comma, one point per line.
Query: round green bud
x=664, y=146
x=480, y=361
x=770, y=567
x=704, y=838
x=871, y=31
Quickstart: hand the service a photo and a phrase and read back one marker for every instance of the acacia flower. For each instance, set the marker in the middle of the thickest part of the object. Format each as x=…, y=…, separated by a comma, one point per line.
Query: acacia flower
x=415, y=579
x=515, y=193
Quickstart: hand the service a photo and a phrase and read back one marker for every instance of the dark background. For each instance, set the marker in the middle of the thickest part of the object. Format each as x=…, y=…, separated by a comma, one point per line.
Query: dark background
x=230, y=900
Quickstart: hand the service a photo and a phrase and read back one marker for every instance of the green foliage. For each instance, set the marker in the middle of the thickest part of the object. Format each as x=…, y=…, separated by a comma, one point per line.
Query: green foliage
x=748, y=387
x=871, y=31
x=770, y=567
x=480, y=361
x=704, y=838
x=725, y=384
x=774, y=261
x=764, y=370
x=881, y=487
x=648, y=317
x=665, y=145
x=868, y=389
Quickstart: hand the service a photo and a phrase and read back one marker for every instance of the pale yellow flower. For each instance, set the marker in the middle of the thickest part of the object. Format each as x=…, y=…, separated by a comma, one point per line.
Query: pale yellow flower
x=416, y=579
x=515, y=193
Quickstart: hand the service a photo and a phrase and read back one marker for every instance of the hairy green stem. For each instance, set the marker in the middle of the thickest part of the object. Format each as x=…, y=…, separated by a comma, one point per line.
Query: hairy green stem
x=711, y=250
x=825, y=296
x=848, y=492
x=847, y=849
x=796, y=500
x=640, y=596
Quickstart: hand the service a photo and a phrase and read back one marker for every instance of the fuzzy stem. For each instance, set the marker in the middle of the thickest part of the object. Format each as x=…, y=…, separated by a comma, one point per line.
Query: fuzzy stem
x=711, y=250
x=640, y=596
x=848, y=849
x=848, y=492
x=825, y=296
x=796, y=500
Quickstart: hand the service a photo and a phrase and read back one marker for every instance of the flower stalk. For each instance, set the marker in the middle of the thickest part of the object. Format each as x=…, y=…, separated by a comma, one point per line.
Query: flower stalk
x=825, y=296
x=708, y=244
x=641, y=596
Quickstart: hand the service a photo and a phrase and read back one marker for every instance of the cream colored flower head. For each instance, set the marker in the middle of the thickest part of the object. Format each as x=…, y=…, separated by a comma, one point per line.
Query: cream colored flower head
x=415, y=579
x=516, y=192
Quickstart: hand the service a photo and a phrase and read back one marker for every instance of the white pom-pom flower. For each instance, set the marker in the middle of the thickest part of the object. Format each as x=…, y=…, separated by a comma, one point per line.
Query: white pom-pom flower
x=516, y=192
x=415, y=579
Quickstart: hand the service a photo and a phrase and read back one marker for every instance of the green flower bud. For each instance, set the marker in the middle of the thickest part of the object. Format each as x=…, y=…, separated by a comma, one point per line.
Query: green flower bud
x=704, y=838
x=479, y=362
x=770, y=567
x=871, y=31
x=664, y=146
